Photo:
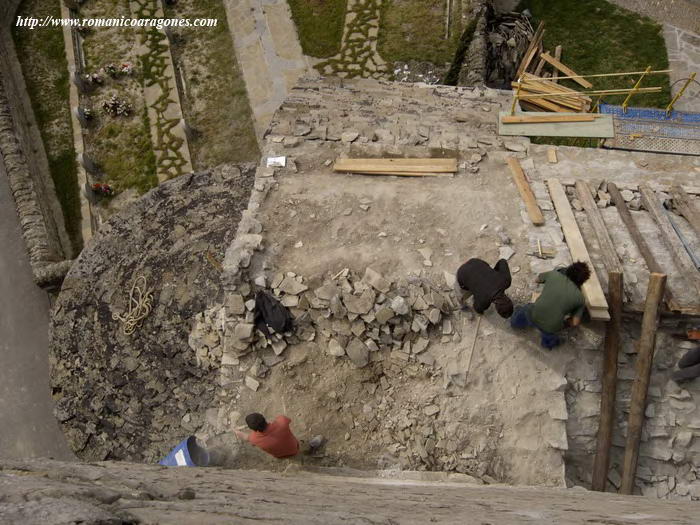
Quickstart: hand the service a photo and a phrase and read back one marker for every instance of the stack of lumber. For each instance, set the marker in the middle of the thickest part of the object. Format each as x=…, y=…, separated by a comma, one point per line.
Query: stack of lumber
x=554, y=97
x=403, y=167
x=533, y=79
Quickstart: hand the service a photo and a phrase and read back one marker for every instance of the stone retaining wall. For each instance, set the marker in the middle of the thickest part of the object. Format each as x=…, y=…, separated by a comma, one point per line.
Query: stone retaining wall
x=474, y=68
x=26, y=164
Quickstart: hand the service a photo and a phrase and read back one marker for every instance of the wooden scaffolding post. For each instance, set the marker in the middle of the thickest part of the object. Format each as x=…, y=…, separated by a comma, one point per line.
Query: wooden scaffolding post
x=601, y=463
x=682, y=259
x=637, y=237
x=516, y=97
x=595, y=218
x=647, y=343
x=634, y=89
x=669, y=108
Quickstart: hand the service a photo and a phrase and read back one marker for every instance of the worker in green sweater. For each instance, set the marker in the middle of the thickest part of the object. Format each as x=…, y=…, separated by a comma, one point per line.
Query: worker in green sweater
x=561, y=304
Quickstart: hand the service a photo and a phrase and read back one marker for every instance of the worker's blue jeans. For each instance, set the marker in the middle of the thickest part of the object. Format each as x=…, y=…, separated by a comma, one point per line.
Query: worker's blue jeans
x=521, y=319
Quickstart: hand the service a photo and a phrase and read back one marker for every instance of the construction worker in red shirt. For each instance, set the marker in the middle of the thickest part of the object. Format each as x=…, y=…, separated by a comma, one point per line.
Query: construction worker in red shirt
x=275, y=438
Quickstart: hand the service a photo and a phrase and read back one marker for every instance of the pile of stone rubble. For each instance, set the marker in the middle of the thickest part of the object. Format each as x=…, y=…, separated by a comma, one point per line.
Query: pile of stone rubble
x=508, y=37
x=359, y=318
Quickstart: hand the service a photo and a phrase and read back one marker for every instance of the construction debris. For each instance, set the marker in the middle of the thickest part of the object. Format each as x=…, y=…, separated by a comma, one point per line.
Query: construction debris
x=367, y=319
x=509, y=37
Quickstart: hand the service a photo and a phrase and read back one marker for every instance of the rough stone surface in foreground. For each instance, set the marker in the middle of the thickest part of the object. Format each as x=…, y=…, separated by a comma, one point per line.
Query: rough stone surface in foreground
x=135, y=396
x=50, y=492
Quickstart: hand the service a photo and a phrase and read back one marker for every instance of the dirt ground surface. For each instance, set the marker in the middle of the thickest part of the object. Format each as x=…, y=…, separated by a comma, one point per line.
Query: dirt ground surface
x=518, y=411
x=415, y=214
x=496, y=423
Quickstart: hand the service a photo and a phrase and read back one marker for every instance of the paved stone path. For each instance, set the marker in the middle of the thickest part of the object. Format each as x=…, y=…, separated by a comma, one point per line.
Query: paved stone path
x=358, y=55
x=162, y=97
x=680, y=13
x=268, y=52
x=27, y=425
x=683, y=49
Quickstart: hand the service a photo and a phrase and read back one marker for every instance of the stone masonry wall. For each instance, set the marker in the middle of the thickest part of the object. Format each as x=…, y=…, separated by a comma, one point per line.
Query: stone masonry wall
x=473, y=71
x=24, y=157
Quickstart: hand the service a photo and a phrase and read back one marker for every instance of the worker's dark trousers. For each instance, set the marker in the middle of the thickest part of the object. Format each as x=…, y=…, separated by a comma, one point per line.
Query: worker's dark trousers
x=521, y=319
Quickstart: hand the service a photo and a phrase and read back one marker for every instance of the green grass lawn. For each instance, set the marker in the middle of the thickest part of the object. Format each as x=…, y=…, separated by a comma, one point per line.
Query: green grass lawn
x=598, y=37
x=42, y=56
x=415, y=30
x=124, y=152
x=320, y=25
x=218, y=107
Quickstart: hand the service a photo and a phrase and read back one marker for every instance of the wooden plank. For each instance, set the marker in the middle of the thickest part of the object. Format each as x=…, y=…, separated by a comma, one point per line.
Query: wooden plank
x=449, y=162
x=607, y=249
x=398, y=173
x=531, y=50
x=566, y=70
x=638, y=239
x=683, y=203
x=545, y=104
x=668, y=236
x=597, y=128
x=601, y=463
x=405, y=161
x=592, y=291
x=384, y=165
x=645, y=356
x=552, y=156
x=524, y=119
x=557, y=56
x=533, y=210
x=539, y=67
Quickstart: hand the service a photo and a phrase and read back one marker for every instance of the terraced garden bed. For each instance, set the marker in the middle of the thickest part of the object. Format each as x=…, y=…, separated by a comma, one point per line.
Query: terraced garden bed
x=215, y=100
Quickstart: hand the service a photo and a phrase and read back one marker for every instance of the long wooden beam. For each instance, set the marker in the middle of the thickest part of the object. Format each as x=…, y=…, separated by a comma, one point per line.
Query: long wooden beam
x=601, y=463
x=525, y=119
x=685, y=206
x=405, y=165
x=566, y=70
x=557, y=56
x=668, y=235
x=614, y=74
x=645, y=356
x=592, y=291
x=533, y=210
x=531, y=50
x=621, y=91
x=638, y=239
x=607, y=248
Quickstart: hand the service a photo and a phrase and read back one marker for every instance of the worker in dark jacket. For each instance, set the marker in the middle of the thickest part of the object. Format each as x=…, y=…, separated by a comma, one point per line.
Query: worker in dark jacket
x=487, y=285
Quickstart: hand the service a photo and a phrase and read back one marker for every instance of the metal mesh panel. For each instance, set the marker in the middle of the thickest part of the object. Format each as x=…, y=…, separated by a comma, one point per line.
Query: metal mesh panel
x=648, y=129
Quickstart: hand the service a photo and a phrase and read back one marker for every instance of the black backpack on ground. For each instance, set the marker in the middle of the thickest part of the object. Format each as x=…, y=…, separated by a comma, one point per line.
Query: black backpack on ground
x=270, y=313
